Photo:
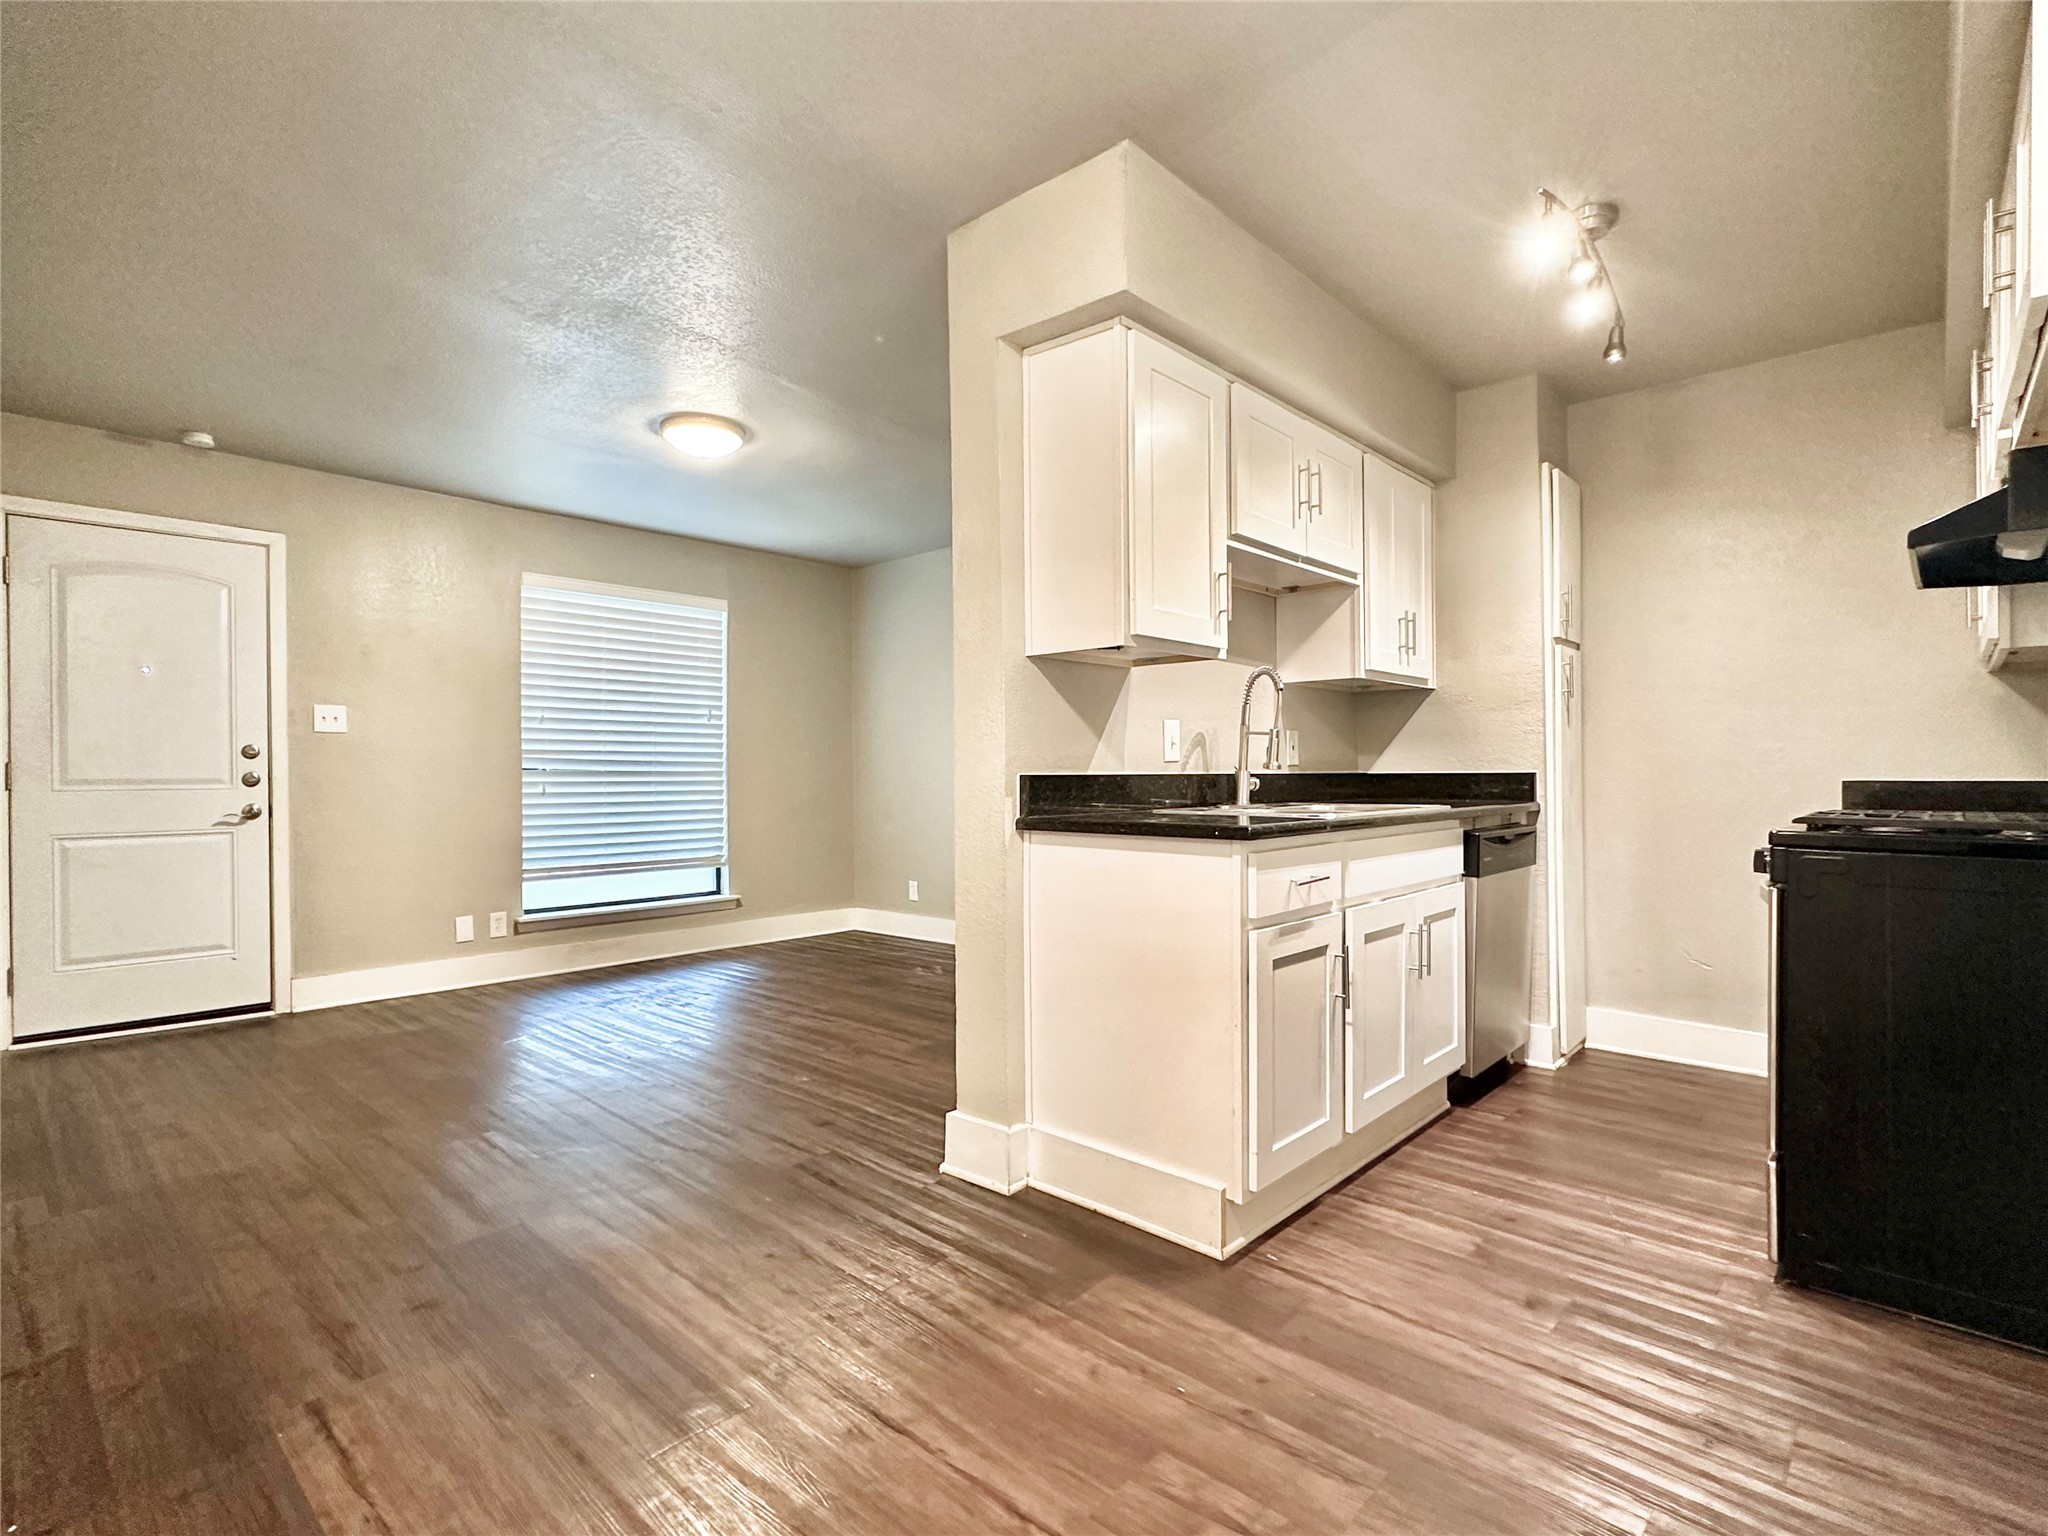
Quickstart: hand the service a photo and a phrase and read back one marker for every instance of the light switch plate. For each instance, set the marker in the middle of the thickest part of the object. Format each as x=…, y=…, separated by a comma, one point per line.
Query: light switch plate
x=499, y=925
x=913, y=890
x=1169, y=741
x=465, y=929
x=330, y=717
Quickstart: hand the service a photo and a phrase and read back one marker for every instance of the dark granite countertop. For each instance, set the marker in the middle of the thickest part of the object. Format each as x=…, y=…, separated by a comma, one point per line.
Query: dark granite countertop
x=1158, y=804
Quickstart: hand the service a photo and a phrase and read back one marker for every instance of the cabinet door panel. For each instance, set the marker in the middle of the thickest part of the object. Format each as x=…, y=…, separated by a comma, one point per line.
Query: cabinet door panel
x=1268, y=475
x=1179, y=433
x=1296, y=1085
x=1379, y=938
x=1561, y=556
x=1436, y=1014
x=1385, y=626
x=1334, y=532
x=1418, y=584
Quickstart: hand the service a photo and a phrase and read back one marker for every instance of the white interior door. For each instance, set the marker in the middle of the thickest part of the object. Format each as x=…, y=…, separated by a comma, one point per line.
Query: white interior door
x=1297, y=1061
x=138, y=676
x=1564, y=824
x=1180, y=488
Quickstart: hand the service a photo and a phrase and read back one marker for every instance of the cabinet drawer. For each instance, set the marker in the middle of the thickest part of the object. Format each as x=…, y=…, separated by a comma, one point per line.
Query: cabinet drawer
x=1293, y=880
x=1401, y=861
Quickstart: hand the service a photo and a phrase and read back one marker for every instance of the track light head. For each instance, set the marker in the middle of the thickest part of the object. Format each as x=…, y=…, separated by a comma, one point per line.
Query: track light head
x=1574, y=243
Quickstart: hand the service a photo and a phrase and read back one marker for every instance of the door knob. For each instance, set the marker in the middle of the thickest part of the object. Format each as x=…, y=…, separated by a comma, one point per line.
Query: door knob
x=252, y=750
x=251, y=811
x=251, y=779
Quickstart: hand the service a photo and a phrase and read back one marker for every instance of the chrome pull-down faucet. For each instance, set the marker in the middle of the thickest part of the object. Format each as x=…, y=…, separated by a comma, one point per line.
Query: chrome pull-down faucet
x=1245, y=782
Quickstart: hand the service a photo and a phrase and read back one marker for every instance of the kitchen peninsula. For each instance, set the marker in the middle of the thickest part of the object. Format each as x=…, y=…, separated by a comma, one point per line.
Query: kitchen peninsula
x=1232, y=1007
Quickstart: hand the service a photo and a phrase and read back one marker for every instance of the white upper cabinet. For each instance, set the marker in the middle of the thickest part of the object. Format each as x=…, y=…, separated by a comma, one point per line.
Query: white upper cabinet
x=1400, y=609
x=1381, y=633
x=1268, y=471
x=1295, y=485
x=1334, y=533
x=2008, y=396
x=1126, y=500
x=1564, y=612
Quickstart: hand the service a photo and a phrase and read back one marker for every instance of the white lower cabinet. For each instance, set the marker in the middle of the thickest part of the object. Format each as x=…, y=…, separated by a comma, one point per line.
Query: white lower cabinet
x=1436, y=1011
x=1217, y=1033
x=1405, y=1028
x=1297, y=1056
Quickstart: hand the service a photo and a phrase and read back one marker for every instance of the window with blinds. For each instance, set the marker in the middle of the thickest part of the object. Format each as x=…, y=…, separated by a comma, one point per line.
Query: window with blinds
x=622, y=747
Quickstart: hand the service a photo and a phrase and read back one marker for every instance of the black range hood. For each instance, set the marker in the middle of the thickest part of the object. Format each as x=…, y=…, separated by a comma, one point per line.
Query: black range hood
x=2000, y=540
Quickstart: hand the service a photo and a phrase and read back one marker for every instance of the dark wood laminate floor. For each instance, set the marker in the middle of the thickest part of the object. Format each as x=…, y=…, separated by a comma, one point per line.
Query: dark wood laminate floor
x=665, y=1249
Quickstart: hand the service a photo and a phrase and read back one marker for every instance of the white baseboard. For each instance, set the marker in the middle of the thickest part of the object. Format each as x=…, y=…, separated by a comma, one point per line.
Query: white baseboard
x=1542, y=1053
x=1681, y=1040
x=985, y=1152
x=903, y=925
x=488, y=966
x=1198, y=1213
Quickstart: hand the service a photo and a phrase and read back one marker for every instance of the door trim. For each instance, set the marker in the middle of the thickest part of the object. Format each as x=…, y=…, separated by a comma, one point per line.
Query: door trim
x=279, y=719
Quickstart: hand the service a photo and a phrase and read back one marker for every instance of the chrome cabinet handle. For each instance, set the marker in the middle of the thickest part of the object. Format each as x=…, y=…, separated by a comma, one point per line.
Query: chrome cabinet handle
x=1415, y=949
x=1223, y=603
x=1311, y=880
x=1315, y=480
x=1301, y=490
x=1342, y=992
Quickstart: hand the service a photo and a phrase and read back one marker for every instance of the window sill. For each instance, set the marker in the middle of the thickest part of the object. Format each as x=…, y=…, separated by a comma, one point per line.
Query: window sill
x=639, y=912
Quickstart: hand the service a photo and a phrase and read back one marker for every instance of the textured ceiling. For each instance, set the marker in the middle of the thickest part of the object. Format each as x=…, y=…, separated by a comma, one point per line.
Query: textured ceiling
x=481, y=248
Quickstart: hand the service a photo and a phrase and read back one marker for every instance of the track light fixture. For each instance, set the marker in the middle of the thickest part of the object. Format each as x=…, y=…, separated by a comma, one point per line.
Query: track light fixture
x=1573, y=236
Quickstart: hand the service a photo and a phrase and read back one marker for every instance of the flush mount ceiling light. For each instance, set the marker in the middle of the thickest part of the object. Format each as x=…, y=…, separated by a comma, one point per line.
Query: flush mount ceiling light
x=702, y=436
x=1570, y=237
x=196, y=439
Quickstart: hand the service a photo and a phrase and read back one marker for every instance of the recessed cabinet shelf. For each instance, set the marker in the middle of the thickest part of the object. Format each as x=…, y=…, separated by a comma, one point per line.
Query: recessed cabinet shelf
x=1264, y=571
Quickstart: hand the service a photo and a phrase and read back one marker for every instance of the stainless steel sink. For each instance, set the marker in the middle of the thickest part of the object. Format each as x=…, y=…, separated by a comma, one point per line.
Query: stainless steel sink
x=1299, y=811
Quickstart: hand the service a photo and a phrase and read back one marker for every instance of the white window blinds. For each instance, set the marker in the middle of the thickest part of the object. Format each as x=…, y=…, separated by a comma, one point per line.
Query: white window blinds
x=622, y=736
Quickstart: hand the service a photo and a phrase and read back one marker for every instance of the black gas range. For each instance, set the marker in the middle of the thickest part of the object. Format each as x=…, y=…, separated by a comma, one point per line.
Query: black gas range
x=1999, y=819
x=1909, y=1051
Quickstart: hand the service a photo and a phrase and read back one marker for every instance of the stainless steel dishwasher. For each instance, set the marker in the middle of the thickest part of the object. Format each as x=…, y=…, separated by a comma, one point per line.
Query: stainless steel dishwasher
x=1500, y=878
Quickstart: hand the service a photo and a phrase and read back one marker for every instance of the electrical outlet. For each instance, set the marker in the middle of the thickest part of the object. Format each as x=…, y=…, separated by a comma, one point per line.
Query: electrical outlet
x=499, y=926
x=465, y=929
x=1169, y=741
x=913, y=890
x=330, y=717
x=1290, y=749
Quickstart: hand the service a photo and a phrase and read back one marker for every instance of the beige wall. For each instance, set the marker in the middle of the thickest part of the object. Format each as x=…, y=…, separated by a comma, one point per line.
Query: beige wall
x=1486, y=712
x=1117, y=235
x=903, y=734
x=403, y=605
x=1753, y=637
